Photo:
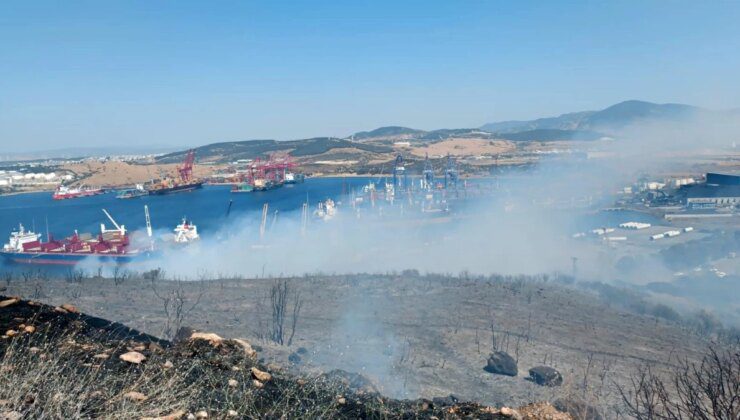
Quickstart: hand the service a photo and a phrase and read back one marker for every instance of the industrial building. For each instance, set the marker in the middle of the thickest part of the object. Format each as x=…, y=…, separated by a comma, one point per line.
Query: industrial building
x=720, y=190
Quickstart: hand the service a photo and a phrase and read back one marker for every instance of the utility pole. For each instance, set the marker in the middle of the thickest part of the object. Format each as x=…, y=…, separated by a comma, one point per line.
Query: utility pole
x=575, y=267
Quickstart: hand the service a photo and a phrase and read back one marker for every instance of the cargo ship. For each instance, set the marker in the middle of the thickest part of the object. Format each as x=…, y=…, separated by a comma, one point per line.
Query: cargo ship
x=139, y=191
x=65, y=193
x=242, y=187
x=186, y=183
x=110, y=246
x=166, y=187
x=293, y=178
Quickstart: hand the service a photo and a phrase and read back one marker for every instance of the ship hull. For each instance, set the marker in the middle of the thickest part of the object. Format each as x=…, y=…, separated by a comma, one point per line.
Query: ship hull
x=49, y=258
x=176, y=189
x=69, y=196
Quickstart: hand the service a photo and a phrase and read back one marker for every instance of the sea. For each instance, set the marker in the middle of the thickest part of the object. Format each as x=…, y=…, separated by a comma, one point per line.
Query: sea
x=211, y=207
x=215, y=210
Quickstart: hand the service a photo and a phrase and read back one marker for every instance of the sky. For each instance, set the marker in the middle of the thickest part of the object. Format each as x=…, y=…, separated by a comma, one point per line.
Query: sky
x=183, y=73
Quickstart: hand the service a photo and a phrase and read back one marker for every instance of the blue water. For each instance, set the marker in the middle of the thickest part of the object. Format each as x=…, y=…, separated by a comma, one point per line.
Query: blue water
x=207, y=207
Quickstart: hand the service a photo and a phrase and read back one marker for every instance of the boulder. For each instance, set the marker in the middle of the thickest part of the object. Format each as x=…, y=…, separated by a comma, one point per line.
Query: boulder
x=545, y=376
x=9, y=302
x=447, y=401
x=135, y=396
x=260, y=375
x=214, y=339
x=248, y=350
x=70, y=308
x=294, y=358
x=501, y=363
x=132, y=357
x=510, y=413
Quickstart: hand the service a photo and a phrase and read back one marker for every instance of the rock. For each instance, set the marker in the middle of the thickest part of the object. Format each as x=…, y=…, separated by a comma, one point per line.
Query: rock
x=9, y=302
x=212, y=338
x=29, y=329
x=155, y=348
x=10, y=415
x=168, y=365
x=202, y=414
x=248, y=350
x=100, y=356
x=577, y=409
x=260, y=375
x=501, y=363
x=132, y=357
x=60, y=310
x=70, y=308
x=138, y=347
x=175, y=415
x=341, y=400
x=510, y=413
x=233, y=383
x=545, y=376
x=11, y=333
x=232, y=413
x=135, y=396
x=447, y=401
x=257, y=384
x=294, y=358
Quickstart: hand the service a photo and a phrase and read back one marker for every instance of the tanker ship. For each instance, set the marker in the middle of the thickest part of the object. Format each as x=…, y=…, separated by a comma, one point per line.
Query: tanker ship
x=110, y=246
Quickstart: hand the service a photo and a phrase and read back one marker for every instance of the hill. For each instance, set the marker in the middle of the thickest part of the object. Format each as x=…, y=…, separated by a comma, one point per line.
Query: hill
x=252, y=149
x=390, y=131
x=606, y=120
x=59, y=363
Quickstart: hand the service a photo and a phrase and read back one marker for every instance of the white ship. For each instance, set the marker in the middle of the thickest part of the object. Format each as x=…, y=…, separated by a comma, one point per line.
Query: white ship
x=19, y=238
x=186, y=232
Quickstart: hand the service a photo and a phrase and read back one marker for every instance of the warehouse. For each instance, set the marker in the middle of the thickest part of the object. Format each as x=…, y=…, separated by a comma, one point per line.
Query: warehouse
x=720, y=190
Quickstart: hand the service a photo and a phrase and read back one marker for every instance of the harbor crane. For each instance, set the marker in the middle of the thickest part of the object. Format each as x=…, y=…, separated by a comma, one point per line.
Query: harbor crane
x=451, y=174
x=428, y=174
x=186, y=169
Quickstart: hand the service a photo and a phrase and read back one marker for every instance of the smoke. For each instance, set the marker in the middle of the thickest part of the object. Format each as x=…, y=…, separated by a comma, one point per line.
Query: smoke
x=522, y=227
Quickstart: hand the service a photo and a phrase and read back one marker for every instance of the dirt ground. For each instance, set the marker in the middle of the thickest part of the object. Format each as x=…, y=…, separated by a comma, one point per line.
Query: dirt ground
x=464, y=147
x=412, y=336
x=116, y=174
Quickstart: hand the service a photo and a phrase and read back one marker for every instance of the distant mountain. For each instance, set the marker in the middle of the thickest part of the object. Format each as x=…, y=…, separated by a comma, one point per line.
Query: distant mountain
x=564, y=122
x=608, y=120
x=390, y=131
x=550, y=134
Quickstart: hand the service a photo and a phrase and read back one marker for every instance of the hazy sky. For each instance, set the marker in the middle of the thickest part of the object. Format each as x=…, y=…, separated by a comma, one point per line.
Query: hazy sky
x=76, y=73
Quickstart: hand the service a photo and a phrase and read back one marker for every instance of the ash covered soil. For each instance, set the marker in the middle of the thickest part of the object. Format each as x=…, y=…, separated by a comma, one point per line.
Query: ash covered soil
x=56, y=362
x=412, y=336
